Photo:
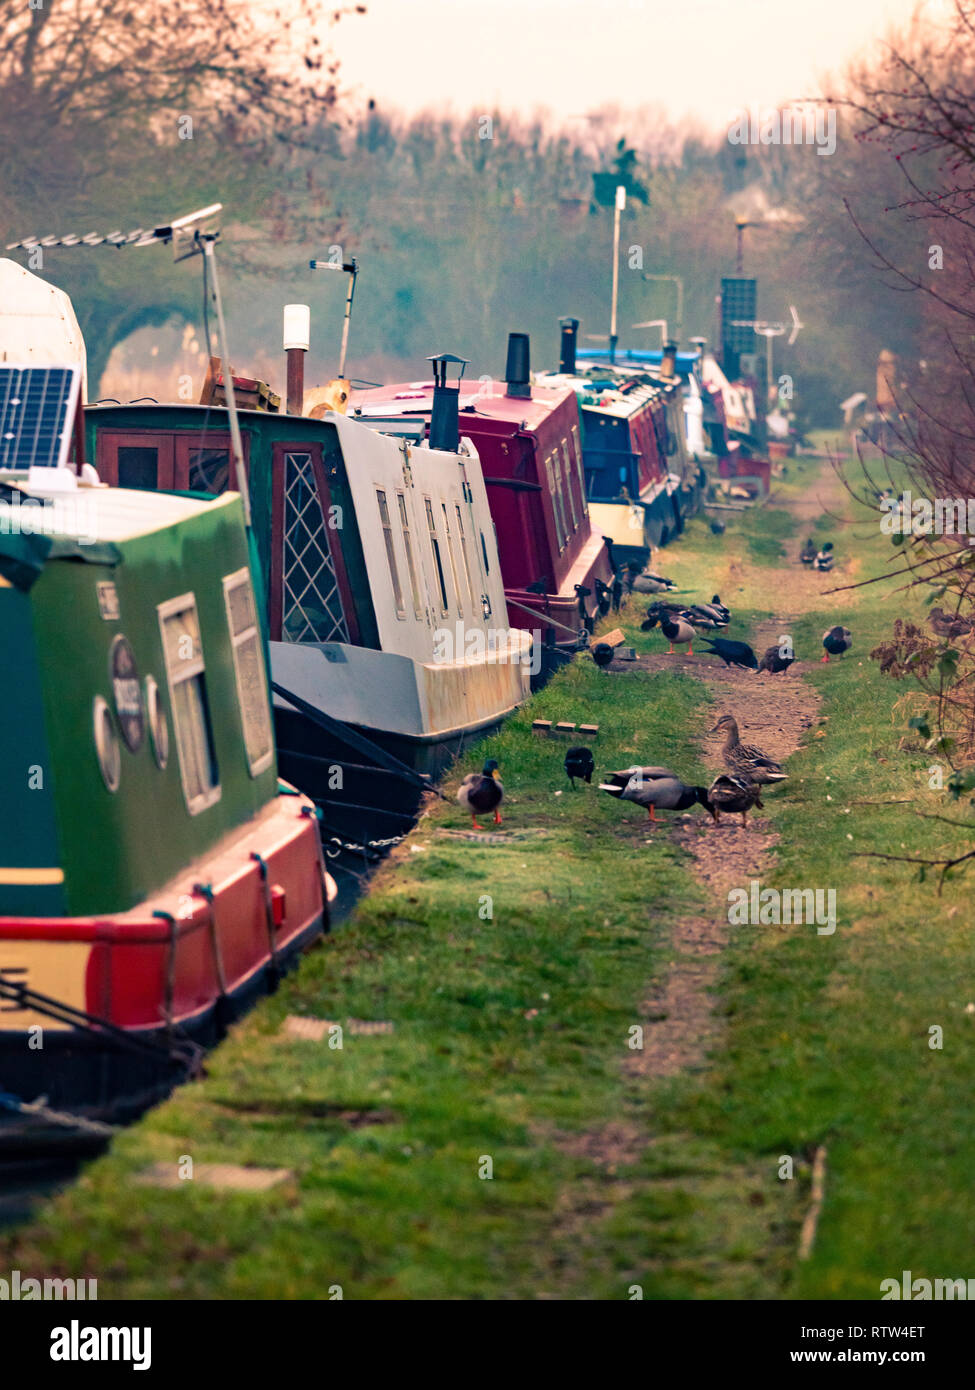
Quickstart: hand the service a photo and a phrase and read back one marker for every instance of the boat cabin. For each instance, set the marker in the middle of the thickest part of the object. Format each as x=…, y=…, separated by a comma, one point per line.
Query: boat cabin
x=528, y=437
x=154, y=875
x=384, y=598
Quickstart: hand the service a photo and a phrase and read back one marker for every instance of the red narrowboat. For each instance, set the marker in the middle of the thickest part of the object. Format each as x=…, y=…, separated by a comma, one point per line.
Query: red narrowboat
x=528, y=438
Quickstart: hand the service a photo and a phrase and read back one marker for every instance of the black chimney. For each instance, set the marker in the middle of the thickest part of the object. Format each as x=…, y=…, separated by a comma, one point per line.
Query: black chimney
x=567, y=352
x=444, y=426
x=517, y=372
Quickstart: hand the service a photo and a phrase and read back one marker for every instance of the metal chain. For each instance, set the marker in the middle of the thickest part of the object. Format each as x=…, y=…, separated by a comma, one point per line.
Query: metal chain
x=57, y=1117
x=357, y=848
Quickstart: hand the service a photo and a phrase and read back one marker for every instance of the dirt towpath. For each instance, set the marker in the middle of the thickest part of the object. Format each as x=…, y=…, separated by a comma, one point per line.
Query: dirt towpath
x=774, y=712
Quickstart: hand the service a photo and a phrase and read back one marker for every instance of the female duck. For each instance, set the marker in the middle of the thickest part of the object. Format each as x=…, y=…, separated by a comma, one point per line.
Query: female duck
x=728, y=793
x=744, y=759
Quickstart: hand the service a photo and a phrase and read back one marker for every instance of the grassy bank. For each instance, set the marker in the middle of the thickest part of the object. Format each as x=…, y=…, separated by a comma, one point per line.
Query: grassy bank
x=512, y=973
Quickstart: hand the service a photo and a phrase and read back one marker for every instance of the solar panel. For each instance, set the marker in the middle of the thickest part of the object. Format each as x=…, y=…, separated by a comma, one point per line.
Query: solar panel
x=36, y=415
x=738, y=297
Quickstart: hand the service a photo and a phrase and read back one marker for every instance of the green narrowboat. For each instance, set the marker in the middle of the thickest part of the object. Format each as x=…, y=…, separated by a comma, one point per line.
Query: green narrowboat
x=155, y=877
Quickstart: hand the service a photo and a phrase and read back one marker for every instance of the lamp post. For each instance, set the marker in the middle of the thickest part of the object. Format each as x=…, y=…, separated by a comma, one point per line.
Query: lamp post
x=620, y=205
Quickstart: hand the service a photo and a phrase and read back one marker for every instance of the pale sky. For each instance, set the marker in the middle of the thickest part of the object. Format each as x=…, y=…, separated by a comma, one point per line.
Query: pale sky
x=702, y=58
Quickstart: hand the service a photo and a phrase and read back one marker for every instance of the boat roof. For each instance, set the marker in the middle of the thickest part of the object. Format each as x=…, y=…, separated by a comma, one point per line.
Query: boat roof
x=108, y=514
x=616, y=394
x=38, y=326
x=685, y=363
x=486, y=399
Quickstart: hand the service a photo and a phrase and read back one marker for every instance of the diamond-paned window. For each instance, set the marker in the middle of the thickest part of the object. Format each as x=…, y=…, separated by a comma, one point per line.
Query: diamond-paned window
x=311, y=609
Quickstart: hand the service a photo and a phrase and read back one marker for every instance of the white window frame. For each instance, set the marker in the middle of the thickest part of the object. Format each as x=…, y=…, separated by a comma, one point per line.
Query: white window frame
x=253, y=633
x=194, y=804
x=445, y=506
x=409, y=530
x=389, y=545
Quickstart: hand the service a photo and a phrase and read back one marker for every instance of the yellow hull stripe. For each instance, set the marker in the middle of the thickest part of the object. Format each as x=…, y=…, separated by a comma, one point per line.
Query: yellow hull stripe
x=31, y=876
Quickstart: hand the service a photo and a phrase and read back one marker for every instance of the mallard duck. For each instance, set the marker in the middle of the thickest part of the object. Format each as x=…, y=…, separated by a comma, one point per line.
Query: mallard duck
x=732, y=653
x=647, y=583
x=734, y=793
x=808, y=552
x=773, y=660
x=720, y=609
x=824, y=560
x=701, y=615
x=950, y=625
x=675, y=629
x=579, y=762
x=656, y=788
x=836, y=641
x=620, y=779
x=660, y=608
x=744, y=759
x=482, y=791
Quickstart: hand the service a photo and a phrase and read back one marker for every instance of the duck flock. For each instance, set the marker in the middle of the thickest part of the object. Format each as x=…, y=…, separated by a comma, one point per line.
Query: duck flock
x=737, y=790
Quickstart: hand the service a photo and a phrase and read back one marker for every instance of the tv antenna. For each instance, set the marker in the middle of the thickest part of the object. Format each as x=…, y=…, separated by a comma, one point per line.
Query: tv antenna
x=351, y=268
x=770, y=331
x=192, y=235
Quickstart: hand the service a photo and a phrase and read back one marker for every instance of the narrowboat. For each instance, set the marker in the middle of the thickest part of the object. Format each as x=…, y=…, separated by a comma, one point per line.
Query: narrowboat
x=385, y=604
x=389, y=642
x=641, y=481
x=553, y=557
x=156, y=877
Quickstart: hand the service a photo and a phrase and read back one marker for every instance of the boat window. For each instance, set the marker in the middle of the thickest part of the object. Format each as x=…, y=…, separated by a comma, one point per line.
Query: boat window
x=450, y=552
x=138, y=466
x=311, y=603
x=410, y=562
x=435, y=547
x=487, y=567
x=248, y=650
x=179, y=626
x=567, y=472
x=387, y=526
x=580, y=469
x=555, y=490
x=209, y=470
x=107, y=744
x=466, y=557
